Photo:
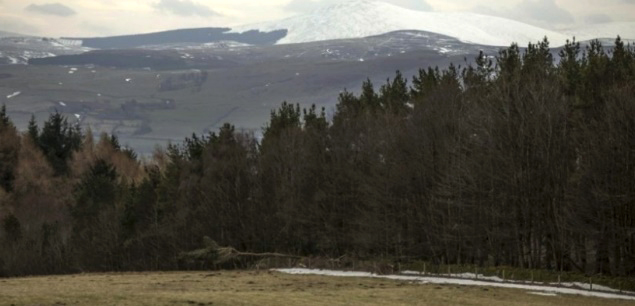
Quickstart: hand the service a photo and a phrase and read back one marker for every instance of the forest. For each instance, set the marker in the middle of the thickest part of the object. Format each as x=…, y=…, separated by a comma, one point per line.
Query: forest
x=525, y=158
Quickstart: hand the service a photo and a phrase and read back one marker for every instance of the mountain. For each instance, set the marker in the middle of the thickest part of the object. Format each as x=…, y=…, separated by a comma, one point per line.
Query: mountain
x=10, y=34
x=19, y=50
x=200, y=35
x=608, y=30
x=361, y=18
x=152, y=96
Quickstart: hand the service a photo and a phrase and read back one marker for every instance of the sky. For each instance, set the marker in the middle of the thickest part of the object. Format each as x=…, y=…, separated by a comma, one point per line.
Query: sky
x=87, y=18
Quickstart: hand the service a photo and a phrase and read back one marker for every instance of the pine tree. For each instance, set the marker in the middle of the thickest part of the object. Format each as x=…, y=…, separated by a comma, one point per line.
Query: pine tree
x=286, y=117
x=58, y=140
x=394, y=95
x=5, y=122
x=96, y=224
x=368, y=97
x=570, y=68
x=33, y=130
x=425, y=82
x=9, y=148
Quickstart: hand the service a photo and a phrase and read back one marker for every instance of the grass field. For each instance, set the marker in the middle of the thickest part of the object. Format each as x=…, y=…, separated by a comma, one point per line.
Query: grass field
x=258, y=288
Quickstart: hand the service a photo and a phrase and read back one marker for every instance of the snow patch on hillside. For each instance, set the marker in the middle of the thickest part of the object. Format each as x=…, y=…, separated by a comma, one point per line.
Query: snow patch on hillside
x=575, y=285
x=626, y=30
x=461, y=282
x=13, y=95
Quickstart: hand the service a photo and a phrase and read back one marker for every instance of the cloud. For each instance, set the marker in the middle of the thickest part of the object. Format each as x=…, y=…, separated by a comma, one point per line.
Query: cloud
x=543, y=13
x=546, y=10
x=598, y=18
x=17, y=26
x=56, y=9
x=304, y=6
x=184, y=8
x=419, y=5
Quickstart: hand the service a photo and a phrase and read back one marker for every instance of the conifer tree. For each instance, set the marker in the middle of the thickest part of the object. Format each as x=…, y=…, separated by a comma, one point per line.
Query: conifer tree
x=394, y=95
x=9, y=149
x=33, y=130
x=58, y=140
x=368, y=97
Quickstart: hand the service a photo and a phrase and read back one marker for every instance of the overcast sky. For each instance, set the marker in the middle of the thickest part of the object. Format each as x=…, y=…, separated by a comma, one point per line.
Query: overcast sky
x=113, y=17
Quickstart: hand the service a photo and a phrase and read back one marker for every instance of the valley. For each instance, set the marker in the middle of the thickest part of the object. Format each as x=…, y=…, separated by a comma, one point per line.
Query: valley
x=150, y=97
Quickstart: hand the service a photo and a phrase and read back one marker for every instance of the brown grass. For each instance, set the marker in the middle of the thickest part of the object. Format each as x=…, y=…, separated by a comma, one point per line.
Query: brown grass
x=258, y=288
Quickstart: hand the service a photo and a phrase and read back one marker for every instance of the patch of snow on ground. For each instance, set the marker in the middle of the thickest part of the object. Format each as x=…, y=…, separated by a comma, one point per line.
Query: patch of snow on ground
x=543, y=293
x=577, y=285
x=461, y=282
x=13, y=95
x=587, y=286
x=461, y=275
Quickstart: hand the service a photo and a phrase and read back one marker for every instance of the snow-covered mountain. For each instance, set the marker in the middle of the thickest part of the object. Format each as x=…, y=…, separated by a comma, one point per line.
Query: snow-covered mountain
x=10, y=34
x=604, y=30
x=362, y=18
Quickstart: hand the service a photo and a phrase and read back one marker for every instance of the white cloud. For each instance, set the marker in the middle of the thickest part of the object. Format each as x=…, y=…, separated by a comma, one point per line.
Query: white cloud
x=598, y=18
x=545, y=10
x=303, y=6
x=543, y=13
x=56, y=9
x=184, y=8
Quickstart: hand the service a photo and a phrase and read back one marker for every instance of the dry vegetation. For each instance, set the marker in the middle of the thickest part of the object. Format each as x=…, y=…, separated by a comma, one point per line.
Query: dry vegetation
x=258, y=288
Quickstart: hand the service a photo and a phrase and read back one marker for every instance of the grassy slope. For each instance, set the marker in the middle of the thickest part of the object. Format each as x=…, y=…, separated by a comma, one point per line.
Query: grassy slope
x=258, y=288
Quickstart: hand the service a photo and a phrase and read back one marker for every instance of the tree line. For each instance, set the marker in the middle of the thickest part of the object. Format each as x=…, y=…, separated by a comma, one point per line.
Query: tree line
x=522, y=159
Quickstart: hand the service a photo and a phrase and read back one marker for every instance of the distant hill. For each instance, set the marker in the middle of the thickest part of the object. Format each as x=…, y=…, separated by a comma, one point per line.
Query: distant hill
x=200, y=35
x=609, y=30
x=118, y=58
x=10, y=34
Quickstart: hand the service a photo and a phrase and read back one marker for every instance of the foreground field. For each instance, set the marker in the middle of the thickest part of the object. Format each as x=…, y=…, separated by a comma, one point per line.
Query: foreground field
x=258, y=288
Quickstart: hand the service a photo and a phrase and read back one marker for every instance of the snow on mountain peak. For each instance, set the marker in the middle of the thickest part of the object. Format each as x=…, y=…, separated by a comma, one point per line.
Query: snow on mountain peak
x=362, y=18
x=608, y=30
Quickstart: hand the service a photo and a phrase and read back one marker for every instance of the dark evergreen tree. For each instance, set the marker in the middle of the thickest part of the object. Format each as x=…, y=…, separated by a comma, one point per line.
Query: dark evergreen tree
x=33, y=130
x=58, y=140
x=95, y=217
x=4, y=118
x=9, y=149
x=394, y=95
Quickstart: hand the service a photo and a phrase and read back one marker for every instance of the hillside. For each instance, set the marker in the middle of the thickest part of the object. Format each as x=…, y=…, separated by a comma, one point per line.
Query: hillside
x=10, y=34
x=604, y=30
x=201, y=35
